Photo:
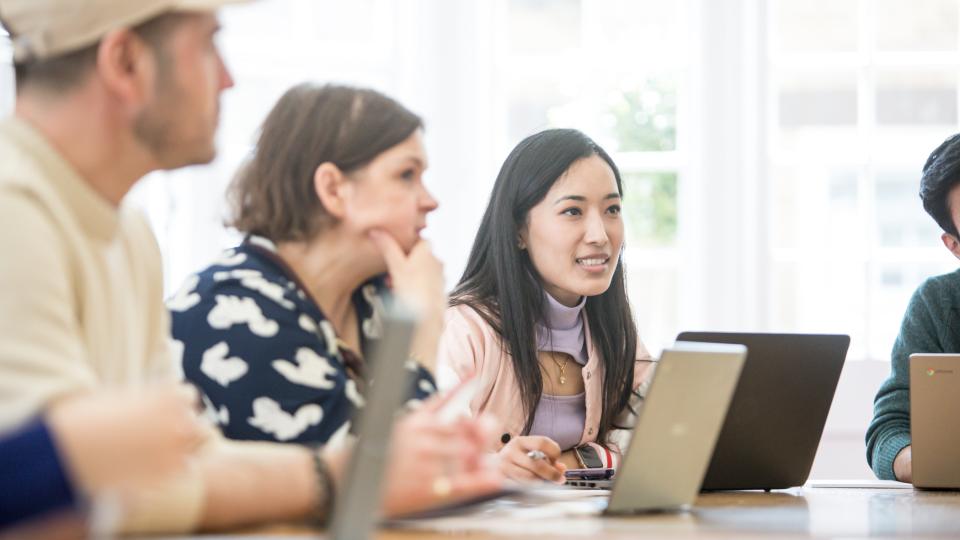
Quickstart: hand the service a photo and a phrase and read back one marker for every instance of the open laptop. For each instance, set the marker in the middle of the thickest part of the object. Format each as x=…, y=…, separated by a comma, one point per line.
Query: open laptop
x=773, y=428
x=676, y=429
x=934, y=400
x=357, y=508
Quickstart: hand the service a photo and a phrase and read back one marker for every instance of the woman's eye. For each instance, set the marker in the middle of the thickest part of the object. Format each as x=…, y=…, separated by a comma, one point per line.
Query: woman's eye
x=408, y=174
x=615, y=209
x=571, y=212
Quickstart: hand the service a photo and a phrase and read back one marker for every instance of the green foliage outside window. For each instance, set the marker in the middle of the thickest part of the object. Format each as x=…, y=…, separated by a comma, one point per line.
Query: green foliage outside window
x=645, y=119
x=650, y=208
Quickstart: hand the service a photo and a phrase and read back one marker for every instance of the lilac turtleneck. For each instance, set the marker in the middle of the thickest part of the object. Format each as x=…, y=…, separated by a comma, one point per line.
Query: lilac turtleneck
x=561, y=418
x=563, y=330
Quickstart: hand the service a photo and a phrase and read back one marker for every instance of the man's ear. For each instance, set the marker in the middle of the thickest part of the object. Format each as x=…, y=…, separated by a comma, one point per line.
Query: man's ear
x=952, y=243
x=126, y=66
x=328, y=184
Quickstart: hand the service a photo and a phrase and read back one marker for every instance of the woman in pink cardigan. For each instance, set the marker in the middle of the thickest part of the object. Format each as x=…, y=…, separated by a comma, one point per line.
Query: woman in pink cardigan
x=541, y=316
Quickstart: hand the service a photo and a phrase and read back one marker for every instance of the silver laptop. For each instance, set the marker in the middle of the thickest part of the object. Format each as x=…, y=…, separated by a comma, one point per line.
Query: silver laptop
x=677, y=428
x=357, y=508
x=934, y=398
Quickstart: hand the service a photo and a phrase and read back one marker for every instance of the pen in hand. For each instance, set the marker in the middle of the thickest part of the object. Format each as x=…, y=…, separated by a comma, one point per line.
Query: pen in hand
x=536, y=455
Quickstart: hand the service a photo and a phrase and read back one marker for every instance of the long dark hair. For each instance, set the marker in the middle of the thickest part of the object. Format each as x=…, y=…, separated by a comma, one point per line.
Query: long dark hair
x=502, y=285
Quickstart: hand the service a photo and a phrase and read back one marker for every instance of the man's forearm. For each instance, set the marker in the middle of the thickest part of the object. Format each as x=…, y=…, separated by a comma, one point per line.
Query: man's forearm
x=249, y=483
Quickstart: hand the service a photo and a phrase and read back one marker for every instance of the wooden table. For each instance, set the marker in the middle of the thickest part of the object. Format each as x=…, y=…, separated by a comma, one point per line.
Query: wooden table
x=797, y=513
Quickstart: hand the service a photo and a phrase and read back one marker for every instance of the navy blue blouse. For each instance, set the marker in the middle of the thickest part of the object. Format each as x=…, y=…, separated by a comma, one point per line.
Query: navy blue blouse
x=266, y=360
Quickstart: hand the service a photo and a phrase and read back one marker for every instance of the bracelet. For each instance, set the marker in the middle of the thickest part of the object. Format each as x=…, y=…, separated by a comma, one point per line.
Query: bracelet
x=325, y=490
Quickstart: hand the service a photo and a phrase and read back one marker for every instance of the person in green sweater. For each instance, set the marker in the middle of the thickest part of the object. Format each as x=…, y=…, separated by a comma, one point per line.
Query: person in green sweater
x=931, y=323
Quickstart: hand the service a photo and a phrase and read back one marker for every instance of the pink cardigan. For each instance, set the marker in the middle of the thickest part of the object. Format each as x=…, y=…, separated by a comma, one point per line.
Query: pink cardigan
x=470, y=346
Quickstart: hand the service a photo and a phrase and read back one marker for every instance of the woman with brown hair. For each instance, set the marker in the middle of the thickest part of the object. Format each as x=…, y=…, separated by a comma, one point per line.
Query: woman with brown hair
x=274, y=333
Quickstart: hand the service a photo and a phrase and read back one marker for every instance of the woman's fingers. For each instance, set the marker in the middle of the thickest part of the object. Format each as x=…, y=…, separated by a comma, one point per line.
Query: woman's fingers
x=392, y=252
x=516, y=472
x=542, y=468
x=417, y=276
x=544, y=444
x=521, y=467
x=519, y=459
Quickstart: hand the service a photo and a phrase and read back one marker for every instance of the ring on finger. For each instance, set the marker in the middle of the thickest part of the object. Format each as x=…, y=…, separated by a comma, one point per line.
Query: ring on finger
x=442, y=486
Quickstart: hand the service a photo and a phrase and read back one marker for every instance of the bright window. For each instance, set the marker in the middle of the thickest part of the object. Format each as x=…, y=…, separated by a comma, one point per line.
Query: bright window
x=613, y=69
x=859, y=93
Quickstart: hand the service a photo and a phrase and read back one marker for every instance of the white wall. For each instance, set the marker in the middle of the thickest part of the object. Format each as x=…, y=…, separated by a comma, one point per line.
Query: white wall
x=842, y=452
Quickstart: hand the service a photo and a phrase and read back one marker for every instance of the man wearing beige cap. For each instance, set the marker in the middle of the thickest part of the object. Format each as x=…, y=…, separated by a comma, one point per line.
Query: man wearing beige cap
x=108, y=91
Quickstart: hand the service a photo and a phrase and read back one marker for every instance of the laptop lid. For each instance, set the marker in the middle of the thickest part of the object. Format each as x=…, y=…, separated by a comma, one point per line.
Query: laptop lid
x=357, y=509
x=934, y=398
x=677, y=427
x=770, y=437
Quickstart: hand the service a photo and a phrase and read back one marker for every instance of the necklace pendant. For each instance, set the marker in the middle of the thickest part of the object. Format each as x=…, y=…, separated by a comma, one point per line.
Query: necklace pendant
x=563, y=380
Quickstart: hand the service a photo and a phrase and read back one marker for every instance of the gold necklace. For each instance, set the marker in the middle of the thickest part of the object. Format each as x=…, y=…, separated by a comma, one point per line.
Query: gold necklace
x=561, y=367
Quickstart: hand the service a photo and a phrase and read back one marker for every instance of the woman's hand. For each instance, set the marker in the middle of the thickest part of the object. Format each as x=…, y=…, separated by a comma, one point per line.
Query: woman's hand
x=417, y=280
x=515, y=461
x=126, y=439
x=435, y=462
x=417, y=276
x=569, y=460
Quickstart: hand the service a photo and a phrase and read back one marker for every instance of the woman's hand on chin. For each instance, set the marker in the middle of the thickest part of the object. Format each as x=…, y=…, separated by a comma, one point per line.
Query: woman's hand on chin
x=417, y=276
x=417, y=279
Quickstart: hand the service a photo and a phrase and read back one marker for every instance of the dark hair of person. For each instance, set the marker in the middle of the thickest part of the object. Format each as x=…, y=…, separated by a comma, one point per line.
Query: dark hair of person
x=941, y=173
x=273, y=194
x=66, y=71
x=501, y=283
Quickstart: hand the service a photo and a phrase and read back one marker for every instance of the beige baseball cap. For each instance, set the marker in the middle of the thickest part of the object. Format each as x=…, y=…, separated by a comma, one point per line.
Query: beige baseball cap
x=46, y=28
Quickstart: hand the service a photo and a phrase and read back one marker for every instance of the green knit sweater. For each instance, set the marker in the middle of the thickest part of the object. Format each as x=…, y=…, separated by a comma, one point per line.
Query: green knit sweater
x=930, y=325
